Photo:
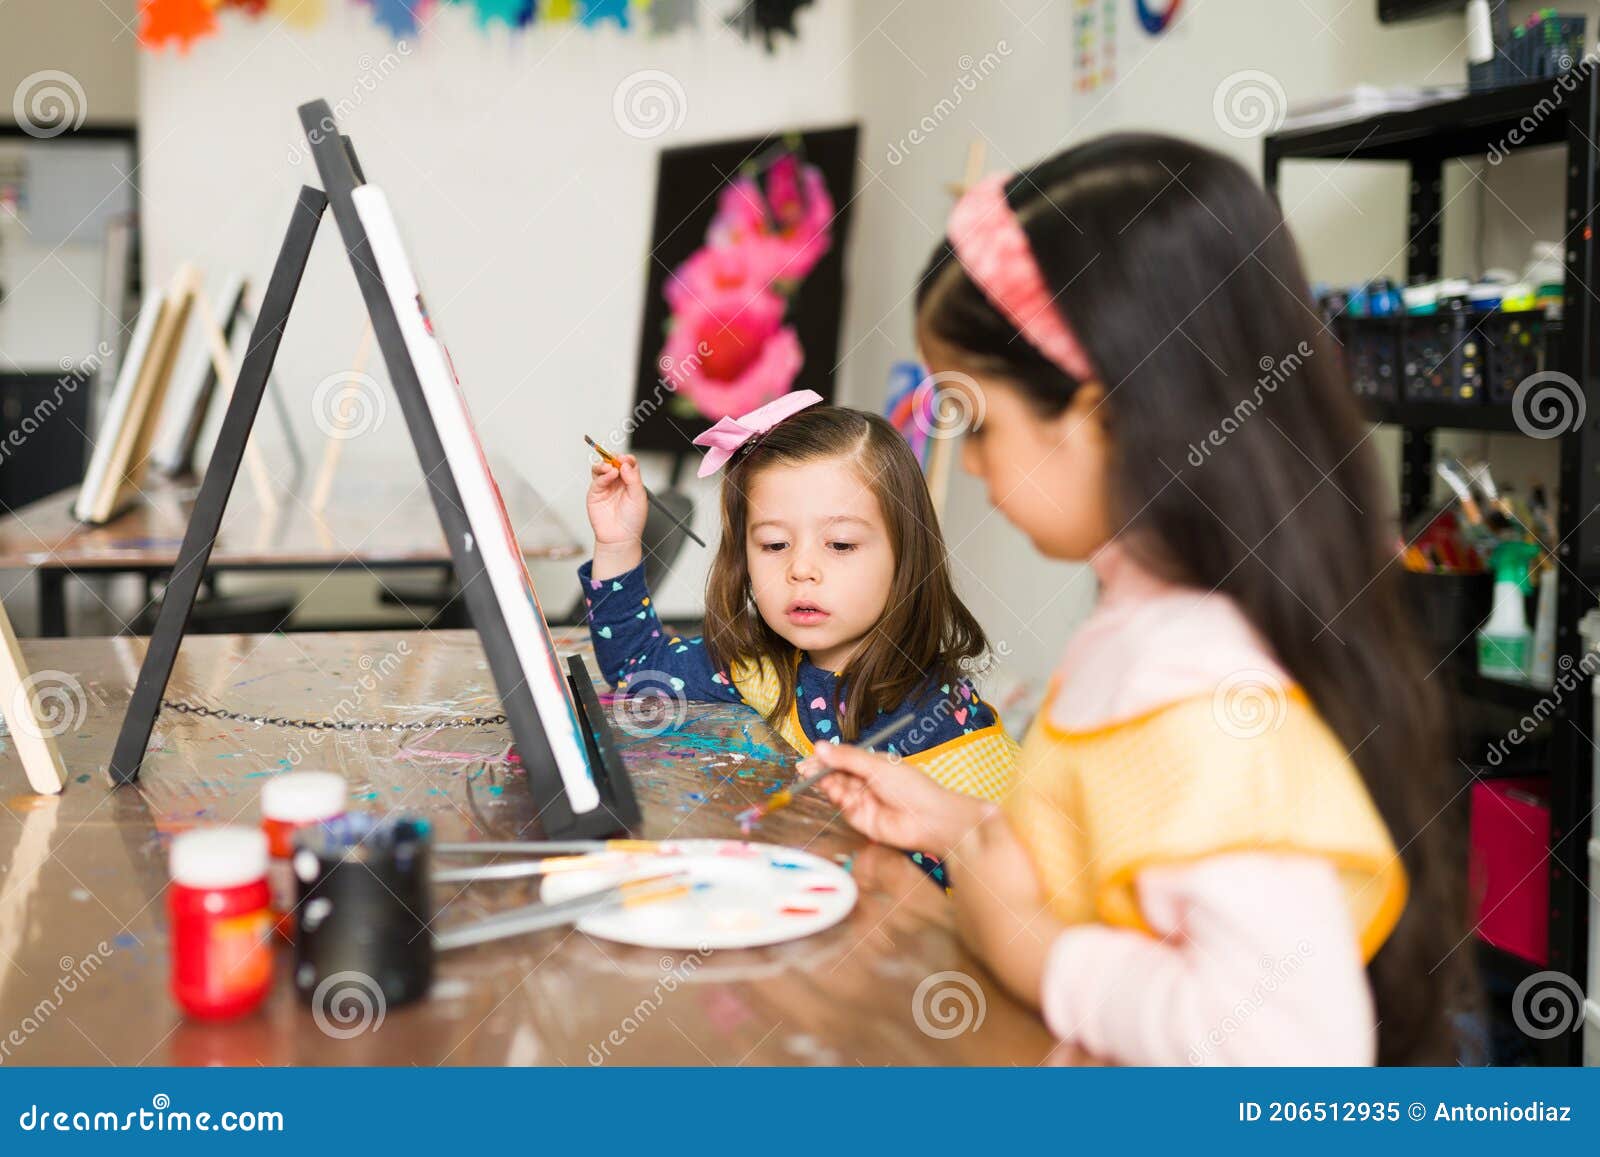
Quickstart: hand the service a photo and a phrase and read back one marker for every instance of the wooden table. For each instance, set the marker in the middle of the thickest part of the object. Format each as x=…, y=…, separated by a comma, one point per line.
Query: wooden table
x=82, y=877
x=368, y=524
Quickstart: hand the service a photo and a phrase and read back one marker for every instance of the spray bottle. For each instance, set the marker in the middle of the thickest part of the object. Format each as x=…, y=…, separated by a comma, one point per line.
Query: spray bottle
x=1504, y=641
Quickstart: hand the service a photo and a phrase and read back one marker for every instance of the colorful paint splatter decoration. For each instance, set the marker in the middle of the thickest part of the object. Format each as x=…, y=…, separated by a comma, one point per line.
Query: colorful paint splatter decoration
x=163, y=23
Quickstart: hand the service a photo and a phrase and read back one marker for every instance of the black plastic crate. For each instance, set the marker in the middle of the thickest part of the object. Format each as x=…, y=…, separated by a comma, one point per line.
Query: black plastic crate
x=1515, y=346
x=1441, y=358
x=1372, y=356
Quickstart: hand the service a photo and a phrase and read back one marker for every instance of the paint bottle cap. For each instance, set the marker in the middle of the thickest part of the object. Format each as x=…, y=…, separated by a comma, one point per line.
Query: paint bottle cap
x=303, y=796
x=223, y=857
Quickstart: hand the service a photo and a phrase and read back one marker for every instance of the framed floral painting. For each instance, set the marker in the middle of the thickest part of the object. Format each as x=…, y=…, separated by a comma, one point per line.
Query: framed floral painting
x=745, y=293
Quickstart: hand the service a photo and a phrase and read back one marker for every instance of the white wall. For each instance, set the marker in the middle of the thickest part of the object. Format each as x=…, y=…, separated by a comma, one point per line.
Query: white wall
x=93, y=41
x=53, y=282
x=527, y=209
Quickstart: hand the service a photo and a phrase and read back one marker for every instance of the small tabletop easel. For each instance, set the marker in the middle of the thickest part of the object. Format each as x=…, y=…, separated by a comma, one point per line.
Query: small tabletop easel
x=602, y=801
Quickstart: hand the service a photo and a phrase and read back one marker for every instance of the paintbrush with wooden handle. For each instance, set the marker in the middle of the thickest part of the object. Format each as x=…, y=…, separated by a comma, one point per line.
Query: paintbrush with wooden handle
x=611, y=459
x=783, y=797
x=534, y=917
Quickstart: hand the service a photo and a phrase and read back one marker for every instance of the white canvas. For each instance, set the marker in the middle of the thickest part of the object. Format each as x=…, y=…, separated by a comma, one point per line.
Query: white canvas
x=492, y=535
x=94, y=478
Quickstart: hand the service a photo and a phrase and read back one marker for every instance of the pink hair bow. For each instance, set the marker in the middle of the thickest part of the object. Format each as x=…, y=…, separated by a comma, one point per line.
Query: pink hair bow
x=724, y=439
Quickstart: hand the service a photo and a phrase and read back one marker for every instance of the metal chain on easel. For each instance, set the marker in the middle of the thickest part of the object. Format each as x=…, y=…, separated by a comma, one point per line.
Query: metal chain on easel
x=328, y=724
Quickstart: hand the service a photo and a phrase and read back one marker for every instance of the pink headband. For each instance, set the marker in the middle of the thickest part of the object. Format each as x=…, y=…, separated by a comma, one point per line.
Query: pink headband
x=994, y=250
x=724, y=439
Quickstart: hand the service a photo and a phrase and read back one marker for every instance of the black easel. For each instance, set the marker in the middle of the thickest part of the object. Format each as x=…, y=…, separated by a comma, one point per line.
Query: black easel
x=341, y=175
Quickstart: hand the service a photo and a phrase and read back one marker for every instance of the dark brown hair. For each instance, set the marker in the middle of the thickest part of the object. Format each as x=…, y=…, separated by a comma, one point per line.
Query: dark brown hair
x=1178, y=275
x=926, y=633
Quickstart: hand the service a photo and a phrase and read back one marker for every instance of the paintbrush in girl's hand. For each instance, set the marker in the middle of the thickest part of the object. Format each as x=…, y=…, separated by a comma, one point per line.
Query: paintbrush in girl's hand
x=612, y=460
x=783, y=797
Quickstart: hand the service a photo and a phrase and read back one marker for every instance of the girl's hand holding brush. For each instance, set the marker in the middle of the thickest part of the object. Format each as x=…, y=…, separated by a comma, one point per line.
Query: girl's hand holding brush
x=893, y=802
x=617, y=510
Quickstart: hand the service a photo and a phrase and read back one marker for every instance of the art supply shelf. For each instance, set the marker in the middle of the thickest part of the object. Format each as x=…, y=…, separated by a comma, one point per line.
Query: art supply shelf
x=1455, y=359
x=1491, y=124
x=1501, y=692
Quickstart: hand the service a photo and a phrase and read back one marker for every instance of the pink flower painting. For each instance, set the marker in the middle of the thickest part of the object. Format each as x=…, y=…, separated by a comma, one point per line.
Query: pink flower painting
x=727, y=349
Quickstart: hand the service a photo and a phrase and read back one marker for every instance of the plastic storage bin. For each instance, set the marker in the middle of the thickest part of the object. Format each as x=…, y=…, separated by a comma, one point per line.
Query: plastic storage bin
x=1372, y=352
x=1441, y=358
x=1515, y=346
x=1509, y=878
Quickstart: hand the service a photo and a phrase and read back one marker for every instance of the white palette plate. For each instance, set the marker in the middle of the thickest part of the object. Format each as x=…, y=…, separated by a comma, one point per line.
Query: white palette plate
x=743, y=895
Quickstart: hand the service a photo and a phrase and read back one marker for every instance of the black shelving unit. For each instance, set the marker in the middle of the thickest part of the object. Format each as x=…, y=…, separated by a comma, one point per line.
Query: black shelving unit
x=1543, y=113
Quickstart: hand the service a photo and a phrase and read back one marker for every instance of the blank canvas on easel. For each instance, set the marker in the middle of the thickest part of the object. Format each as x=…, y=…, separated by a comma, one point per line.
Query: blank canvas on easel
x=495, y=540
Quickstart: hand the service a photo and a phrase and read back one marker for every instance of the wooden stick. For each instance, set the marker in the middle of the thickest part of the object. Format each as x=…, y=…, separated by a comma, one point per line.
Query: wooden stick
x=942, y=453
x=335, y=446
x=34, y=739
x=975, y=157
x=940, y=457
x=222, y=362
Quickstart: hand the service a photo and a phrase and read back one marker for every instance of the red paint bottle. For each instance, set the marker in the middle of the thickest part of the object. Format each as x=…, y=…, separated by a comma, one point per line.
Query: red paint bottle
x=288, y=803
x=218, y=907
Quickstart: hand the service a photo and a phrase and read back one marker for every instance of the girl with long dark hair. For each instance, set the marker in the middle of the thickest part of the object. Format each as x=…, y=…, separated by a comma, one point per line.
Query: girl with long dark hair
x=1225, y=845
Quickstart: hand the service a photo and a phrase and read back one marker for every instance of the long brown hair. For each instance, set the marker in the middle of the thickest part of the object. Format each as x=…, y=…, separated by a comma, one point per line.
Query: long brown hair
x=926, y=632
x=1179, y=277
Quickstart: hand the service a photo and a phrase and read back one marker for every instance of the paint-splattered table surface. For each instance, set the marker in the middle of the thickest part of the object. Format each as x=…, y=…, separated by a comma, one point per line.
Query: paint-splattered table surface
x=83, y=933
x=366, y=521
